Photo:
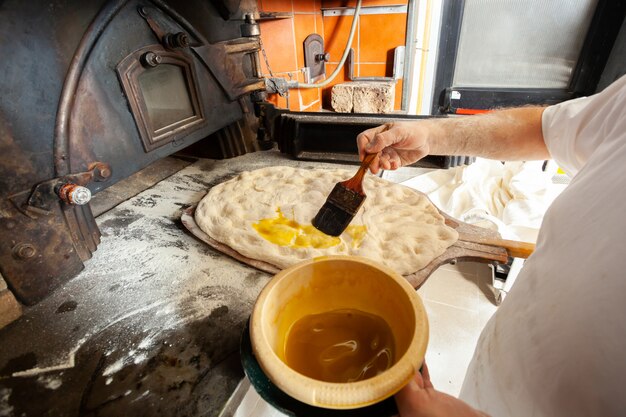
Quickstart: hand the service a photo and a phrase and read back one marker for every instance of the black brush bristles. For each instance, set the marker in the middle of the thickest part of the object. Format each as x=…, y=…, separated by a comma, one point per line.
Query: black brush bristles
x=338, y=211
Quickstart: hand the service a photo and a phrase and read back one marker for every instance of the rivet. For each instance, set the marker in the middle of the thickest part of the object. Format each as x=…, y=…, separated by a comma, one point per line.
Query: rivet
x=105, y=172
x=24, y=251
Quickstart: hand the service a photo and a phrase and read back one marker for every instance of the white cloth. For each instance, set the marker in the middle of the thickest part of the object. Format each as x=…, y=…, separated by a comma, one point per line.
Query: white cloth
x=557, y=344
x=510, y=198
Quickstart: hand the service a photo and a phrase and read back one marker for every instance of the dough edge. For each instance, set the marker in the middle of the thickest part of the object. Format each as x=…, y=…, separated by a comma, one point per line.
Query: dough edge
x=405, y=230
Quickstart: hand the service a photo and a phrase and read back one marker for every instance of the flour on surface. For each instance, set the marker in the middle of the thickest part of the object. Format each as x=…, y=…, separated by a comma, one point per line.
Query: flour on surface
x=50, y=382
x=5, y=409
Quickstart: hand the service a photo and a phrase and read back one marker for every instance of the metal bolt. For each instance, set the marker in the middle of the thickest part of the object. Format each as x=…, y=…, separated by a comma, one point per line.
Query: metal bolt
x=101, y=171
x=176, y=40
x=250, y=28
x=80, y=195
x=105, y=172
x=151, y=59
x=325, y=57
x=74, y=194
x=24, y=251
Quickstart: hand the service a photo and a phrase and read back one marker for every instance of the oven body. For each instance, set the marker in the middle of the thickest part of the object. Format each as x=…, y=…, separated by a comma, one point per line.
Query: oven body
x=94, y=91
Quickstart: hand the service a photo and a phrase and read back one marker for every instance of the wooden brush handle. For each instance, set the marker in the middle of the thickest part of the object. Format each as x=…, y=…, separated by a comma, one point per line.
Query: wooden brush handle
x=514, y=248
x=356, y=183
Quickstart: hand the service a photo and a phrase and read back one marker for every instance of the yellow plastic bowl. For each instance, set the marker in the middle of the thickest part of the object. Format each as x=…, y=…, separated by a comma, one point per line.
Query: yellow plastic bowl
x=330, y=283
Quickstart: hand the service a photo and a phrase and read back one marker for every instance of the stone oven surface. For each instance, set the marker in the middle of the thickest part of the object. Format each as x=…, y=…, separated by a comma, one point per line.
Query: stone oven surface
x=152, y=325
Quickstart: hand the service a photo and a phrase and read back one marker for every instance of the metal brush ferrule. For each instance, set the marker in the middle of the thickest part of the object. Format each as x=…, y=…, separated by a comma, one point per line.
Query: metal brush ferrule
x=349, y=200
x=338, y=211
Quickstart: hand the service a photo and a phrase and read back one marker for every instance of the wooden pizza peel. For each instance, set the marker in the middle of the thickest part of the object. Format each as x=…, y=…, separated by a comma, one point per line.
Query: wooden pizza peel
x=475, y=244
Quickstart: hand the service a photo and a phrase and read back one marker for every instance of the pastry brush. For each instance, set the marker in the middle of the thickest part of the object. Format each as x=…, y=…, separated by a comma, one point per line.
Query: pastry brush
x=343, y=202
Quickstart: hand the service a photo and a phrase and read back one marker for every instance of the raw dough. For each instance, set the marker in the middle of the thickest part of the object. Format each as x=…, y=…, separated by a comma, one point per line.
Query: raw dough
x=404, y=229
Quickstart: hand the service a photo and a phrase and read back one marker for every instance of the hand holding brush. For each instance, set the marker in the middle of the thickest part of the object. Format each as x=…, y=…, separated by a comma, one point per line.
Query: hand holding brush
x=343, y=202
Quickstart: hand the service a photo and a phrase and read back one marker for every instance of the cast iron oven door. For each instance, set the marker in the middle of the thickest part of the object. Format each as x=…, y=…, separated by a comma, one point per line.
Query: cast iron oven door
x=163, y=94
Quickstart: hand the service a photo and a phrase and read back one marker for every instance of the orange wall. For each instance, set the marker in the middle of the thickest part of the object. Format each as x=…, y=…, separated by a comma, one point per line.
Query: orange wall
x=373, y=44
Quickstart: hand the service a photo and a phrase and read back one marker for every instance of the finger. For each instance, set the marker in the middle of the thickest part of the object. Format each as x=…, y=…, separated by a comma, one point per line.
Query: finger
x=392, y=158
x=384, y=161
x=361, y=142
x=382, y=140
x=408, y=398
x=375, y=165
x=426, y=376
x=365, y=137
x=415, y=384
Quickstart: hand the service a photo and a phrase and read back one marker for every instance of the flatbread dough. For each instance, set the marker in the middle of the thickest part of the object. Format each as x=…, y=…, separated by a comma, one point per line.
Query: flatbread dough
x=404, y=229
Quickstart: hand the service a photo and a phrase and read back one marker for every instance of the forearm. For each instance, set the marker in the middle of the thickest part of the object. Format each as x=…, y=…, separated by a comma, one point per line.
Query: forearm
x=512, y=134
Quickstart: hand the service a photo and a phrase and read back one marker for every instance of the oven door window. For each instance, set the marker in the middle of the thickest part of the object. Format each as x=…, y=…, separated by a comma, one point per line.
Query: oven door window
x=162, y=94
x=166, y=96
x=524, y=46
x=496, y=54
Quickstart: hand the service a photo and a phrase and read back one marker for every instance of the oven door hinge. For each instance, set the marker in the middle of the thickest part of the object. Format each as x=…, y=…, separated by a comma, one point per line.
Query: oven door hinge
x=224, y=60
x=169, y=40
x=71, y=189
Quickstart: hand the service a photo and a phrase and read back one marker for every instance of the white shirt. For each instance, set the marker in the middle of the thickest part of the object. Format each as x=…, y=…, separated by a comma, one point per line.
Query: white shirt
x=557, y=344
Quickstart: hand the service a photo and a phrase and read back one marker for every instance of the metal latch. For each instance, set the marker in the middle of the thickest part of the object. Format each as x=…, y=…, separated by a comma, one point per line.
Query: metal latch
x=315, y=58
x=70, y=189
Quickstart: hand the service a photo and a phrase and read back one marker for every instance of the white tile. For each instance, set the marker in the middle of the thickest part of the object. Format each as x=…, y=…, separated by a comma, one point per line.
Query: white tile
x=453, y=336
x=486, y=295
x=264, y=409
x=252, y=405
x=248, y=403
x=459, y=304
x=451, y=287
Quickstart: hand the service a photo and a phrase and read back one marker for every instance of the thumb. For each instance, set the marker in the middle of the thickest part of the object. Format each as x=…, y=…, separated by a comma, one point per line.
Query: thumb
x=420, y=381
x=410, y=399
x=425, y=374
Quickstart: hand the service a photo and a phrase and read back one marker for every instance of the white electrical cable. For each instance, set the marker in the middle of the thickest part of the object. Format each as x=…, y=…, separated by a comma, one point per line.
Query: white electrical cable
x=343, y=58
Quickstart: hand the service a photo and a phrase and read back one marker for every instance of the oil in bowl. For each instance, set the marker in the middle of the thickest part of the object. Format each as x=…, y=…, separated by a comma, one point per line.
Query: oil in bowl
x=344, y=345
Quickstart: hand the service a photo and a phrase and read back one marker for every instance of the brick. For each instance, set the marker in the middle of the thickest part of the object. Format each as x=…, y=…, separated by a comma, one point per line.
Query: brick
x=374, y=97
x=363, y=97
x=341, y=97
